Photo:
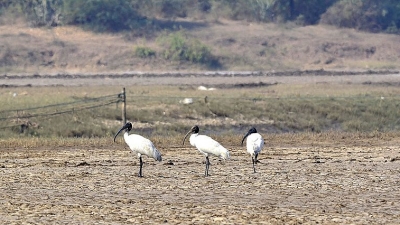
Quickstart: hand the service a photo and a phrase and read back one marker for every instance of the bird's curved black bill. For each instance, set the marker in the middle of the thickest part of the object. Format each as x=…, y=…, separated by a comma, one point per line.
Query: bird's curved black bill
x=117, y=134
x=183, y=143
x=122, y=128
x=245, y=136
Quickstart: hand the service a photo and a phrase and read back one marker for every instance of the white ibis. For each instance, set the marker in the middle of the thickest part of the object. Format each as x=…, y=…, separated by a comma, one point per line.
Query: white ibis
x=254, y=144
x=139, y=145
x=206, y=145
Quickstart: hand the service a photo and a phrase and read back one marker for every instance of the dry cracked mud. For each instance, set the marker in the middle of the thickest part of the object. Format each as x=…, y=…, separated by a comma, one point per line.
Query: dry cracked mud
x=293, y=185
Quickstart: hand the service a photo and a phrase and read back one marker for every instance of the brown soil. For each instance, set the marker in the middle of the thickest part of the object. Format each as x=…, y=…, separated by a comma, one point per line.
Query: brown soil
x=294, y=184
x=237, y=45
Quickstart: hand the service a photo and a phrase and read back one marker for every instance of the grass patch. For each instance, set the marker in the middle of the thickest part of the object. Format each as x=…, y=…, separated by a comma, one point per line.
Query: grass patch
x=170, y=143
x=144, y=52
x=158, y=110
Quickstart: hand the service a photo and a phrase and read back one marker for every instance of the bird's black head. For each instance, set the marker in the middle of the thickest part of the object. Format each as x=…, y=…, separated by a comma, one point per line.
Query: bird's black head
x=194, y=130
x=127, y=126
x=251, y=131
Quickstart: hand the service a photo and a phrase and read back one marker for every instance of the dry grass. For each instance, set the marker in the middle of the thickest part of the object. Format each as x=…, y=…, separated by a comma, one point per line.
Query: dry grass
x=273, y=140
x=237, y=45
x=156, y=110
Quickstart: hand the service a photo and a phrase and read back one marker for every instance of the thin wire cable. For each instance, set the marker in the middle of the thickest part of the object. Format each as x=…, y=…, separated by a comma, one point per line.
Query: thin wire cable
x=62, y=104
x=133, y=97
x=7, y=127
x=58, y=113
x=75, y=109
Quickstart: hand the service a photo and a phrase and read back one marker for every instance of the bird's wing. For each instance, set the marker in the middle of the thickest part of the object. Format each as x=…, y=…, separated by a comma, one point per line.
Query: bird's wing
x=210, y=146
x=143, y=146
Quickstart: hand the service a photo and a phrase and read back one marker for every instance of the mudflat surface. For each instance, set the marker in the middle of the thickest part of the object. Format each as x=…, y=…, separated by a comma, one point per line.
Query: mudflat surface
x=293, y=184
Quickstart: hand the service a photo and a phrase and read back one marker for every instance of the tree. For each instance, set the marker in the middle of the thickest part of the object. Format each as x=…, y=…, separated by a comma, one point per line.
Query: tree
x=368, y=15
x=309, y=11
x=36, y=12
x=264, y=10
x=100, y=15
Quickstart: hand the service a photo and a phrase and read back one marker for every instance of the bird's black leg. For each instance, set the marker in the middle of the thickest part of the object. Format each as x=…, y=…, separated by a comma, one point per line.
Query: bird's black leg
x=207, y=166
x=141, y=165
x=254, y=162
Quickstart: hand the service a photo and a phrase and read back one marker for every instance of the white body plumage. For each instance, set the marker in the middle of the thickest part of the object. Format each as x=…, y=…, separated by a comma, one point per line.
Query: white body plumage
x=142, y=146
x=254, y=144
x=208, y=146
x=139, y=145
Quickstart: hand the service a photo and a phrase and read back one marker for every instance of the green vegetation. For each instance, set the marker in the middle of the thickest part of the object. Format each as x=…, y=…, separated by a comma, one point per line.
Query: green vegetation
x=157, y=111
x=117, y=15
x=180, y=47
x=177, y=46
x=101, y=15
x=144, y=52
x=204, y=36
x=39, y=112
x=375, y=16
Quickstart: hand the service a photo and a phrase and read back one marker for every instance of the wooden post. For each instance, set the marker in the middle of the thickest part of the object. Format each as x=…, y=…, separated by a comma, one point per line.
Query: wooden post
x=123, y=106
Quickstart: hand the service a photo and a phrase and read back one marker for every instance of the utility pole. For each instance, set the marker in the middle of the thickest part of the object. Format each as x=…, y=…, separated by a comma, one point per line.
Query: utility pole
x=123, y=106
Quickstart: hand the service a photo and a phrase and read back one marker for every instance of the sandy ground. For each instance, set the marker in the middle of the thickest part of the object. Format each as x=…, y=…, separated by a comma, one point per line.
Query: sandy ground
x=293, y=185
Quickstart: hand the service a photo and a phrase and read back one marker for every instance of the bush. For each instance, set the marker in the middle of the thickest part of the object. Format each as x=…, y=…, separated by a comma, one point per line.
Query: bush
x=170, y=8
x=144, y=52
x=307, y=12
x=364, y=15
x=344, y=14
x=101, y=15
x=179, y=47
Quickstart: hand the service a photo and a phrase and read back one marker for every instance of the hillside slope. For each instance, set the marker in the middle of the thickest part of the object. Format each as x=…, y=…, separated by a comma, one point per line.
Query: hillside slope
x=236, y=45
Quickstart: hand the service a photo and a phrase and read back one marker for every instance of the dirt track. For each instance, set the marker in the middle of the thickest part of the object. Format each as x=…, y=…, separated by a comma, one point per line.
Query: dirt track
x=215, y=79
x=338, y=185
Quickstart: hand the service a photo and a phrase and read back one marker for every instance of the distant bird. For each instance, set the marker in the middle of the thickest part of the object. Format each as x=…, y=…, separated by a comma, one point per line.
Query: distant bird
x=206, y=145
x=254, y=145
x=186, y=101
x=139, y=145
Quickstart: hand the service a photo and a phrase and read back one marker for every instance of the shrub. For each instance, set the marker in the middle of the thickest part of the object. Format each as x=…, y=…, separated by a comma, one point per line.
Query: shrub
x=180, y=47
x=344, y=14
x=101, y=15
x=144, y=52
x=364, y=15
x=170, y=8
